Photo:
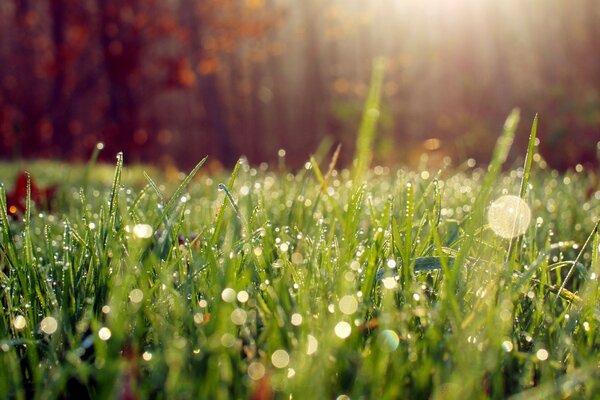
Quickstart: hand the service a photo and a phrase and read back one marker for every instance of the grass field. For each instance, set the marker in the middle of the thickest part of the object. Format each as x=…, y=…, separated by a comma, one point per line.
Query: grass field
x=316, y=284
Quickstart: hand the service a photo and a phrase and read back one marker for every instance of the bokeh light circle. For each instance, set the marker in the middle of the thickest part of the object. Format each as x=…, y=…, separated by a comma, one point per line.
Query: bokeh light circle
x=509, y=216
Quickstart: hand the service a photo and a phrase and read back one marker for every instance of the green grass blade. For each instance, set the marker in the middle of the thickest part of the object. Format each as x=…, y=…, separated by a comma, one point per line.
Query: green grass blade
x=368, y=125
x=177, y=195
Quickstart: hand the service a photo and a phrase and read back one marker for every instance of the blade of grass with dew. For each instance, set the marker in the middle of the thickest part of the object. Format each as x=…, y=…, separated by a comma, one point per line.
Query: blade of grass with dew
x=88, y=168
x=171, y=203
x=579, y=255
x=112, y=205
x=499, y=156
x=516, y=242
x=221, y=212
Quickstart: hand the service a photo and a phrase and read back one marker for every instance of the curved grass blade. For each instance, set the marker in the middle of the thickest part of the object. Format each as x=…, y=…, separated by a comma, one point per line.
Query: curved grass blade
x=177, y=194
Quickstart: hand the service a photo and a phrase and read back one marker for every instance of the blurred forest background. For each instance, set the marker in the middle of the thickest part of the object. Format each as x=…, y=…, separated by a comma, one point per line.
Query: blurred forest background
x=169, y=81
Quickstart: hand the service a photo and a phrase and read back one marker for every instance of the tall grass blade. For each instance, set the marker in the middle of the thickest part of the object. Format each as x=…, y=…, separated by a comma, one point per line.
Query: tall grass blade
x=177, y=195
x=368, y=125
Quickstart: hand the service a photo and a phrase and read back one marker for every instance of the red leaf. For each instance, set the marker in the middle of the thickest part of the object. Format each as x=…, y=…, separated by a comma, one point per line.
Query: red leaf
x=17, y=199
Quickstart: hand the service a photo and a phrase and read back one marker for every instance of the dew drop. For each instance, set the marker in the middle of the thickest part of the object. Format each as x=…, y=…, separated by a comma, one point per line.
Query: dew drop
x=243, y=296
x=507, y=346
x=348, y=305
x=389, y=340
x=228, y=295
x=343, y=329
x=20, y=322
x=136, y=296
x=104, y=333
x=313, y=345
x=389, y=282
x=542, y=354
x=256, y=371
x=142, y=231
x=49, y=325
x=280, y=358
x=296, y=319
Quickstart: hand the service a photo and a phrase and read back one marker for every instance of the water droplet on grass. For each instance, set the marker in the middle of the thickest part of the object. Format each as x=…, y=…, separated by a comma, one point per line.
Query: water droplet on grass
x=296, y=319
x=20, y=322
x=280, y=358
x=542, y=354
x=49, y=325
x=313, y=345
x=348, y=305
x=228, y=295
x=389, y=282
x=142, y=231
x=507, y=346
x=136, y=296
x=104, y=333
x=243, y=296
x=256, y=371
x=343, y=329
x=389, y=340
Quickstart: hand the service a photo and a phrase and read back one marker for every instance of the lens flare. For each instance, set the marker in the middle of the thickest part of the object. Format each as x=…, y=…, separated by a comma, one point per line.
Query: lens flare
x=509, y=216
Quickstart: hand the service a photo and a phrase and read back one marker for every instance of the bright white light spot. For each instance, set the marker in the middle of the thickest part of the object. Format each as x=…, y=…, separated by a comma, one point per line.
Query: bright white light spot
x=355, y=265
x=291, y=372
x=258, y=251
x=313, y=345
x=106, y=309
x=343, y=329
x=391, y=264
x=389, y=282
x=507, y=346
x=284, y=247
x=389, y=340
x=147, y=356
x=280, y=358
x=296, y=319
x=348, y=305
x=104, y=333
x=100, y=146
x=586, y=326
x=20, y=322
x=256, y=371
x=542, y=354
x=243, y=296
x=142, y=231
x=136, y=296
x=49, y=325
x=509, y=216
x=228, y=295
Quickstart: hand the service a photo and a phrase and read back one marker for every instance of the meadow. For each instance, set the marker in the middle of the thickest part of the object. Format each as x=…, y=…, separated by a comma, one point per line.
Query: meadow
x=261, y=282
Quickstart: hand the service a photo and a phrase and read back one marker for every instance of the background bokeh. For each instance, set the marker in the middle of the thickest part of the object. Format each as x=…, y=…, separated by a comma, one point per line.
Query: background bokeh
x=169, y=81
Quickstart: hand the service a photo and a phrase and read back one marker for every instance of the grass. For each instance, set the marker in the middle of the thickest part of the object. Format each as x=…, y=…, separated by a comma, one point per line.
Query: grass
x=305, y=285
x=361, y=283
